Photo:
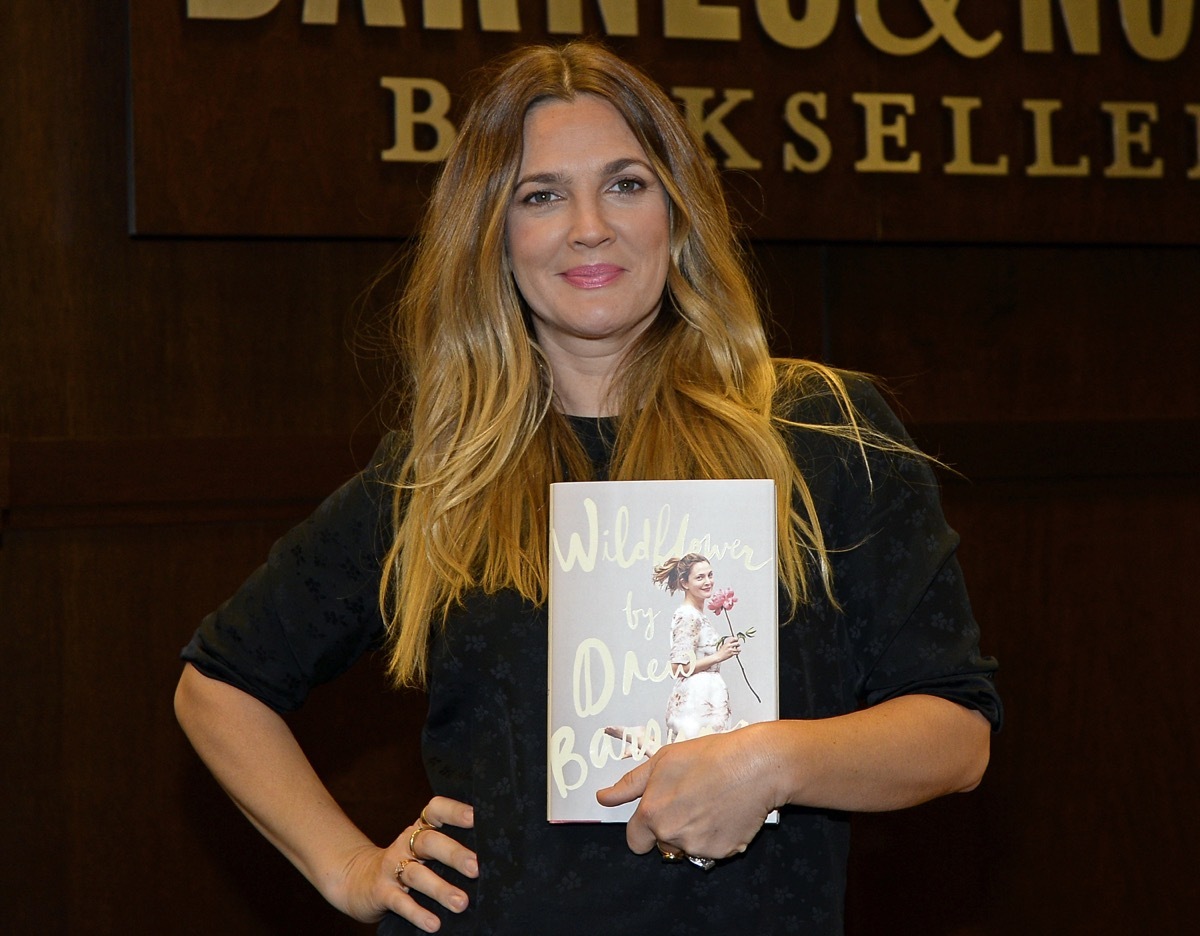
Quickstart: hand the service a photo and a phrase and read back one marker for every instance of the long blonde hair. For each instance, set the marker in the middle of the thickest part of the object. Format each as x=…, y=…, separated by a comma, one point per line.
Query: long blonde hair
x=699, y=394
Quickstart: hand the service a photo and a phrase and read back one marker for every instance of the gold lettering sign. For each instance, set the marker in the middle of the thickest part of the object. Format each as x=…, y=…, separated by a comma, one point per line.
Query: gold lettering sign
x=831, y=119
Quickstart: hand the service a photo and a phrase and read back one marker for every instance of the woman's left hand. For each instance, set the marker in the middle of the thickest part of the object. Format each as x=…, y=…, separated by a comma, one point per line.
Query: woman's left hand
x=707, y=796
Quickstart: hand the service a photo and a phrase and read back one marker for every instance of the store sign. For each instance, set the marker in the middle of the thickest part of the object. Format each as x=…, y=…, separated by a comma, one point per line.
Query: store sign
x=894, y=120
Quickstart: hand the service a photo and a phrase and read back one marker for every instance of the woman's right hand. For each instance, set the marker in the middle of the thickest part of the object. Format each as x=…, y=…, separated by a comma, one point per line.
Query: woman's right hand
x=371, y=886
x=253, y=754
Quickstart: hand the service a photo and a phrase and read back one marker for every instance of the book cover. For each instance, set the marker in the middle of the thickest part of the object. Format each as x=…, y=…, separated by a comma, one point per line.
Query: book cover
x=663, y=624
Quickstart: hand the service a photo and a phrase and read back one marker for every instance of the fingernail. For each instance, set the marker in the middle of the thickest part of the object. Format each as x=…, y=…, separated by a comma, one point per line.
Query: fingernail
x=472, y=868
x=458, y=903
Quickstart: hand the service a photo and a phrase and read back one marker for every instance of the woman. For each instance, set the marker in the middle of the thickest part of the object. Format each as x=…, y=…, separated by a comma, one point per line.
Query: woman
x=577, y=308
x=699, y=702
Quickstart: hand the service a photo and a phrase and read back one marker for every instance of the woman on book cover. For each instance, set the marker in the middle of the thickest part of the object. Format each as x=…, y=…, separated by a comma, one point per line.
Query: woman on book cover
x=577, y=306
x=699, y=701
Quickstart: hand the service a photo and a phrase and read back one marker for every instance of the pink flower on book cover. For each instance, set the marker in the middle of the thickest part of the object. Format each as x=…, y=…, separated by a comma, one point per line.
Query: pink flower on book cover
x=721, y=601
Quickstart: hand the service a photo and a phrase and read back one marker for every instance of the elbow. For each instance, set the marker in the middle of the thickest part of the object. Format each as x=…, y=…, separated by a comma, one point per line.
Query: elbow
x=182, y=701
x=189, y=701
x=977, y=751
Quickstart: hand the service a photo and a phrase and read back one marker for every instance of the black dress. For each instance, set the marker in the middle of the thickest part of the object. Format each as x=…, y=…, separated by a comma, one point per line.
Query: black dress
x=904, y=626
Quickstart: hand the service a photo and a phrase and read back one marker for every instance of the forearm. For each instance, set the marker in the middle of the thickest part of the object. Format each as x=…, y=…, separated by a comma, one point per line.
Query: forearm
x=896, y=754
x=701, y=665
x=256, y=759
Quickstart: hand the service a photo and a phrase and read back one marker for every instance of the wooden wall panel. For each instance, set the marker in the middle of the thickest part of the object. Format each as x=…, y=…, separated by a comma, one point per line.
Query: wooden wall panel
x=185, y=338
x=1069, y=377
x=791, y=280
x=112, y=794
x=118, y=337
x=31, y=685
x=1086, y=591
x=1022, y=333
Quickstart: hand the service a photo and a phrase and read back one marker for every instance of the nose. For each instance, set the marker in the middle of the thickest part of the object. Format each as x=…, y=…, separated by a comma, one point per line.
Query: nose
x=590, y=226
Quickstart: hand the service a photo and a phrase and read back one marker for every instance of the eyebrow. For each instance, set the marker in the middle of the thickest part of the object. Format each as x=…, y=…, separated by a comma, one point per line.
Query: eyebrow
x=559, y=178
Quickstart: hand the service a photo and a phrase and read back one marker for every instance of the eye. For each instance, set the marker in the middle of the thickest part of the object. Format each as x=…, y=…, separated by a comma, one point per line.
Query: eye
x=628, y=185
x=539, y=197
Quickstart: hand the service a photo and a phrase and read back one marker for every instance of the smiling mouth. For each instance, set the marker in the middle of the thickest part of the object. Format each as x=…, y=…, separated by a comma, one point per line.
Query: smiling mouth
x=592, y=276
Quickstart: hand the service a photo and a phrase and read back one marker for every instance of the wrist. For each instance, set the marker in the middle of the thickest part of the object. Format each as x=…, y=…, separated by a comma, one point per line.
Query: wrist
x=336, y=879
x=771, y=742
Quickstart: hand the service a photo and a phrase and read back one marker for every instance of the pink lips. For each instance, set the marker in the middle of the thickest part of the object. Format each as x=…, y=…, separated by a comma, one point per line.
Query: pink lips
x=593, y=275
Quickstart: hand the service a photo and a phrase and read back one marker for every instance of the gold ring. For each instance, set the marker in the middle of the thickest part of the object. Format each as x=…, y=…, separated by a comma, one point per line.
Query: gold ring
x=668, y=854
x=398, y=874
x=423, y=823
x=412, y=842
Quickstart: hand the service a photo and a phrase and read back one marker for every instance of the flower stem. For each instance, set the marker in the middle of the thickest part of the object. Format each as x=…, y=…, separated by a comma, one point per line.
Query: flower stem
x=739, y=657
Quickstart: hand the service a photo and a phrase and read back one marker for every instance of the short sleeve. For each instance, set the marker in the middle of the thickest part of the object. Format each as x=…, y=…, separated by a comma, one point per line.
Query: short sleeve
x=685, y=634
x=906, y=615
x=312, y=609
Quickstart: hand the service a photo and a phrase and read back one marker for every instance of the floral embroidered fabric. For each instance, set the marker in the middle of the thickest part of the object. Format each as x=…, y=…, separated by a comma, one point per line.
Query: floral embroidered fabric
x=699, y=702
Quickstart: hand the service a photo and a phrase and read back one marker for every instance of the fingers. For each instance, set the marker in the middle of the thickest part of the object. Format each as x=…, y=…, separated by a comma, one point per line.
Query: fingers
x=424, y=841
x=630, y=787
x=412, y=875
x=627, y=789
x=441, y=810
x=419, y=878
x=429, y=844
x=638, y=836
x=729, y=649
x=403, y=905
x=684, y=803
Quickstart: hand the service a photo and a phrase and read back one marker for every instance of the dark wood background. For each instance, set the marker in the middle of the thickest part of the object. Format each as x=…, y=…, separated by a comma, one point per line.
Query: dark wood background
x=235, y=123
x=168, y=407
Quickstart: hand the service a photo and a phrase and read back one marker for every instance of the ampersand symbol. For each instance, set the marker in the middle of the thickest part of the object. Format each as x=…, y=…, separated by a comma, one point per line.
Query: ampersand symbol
x=944, y=24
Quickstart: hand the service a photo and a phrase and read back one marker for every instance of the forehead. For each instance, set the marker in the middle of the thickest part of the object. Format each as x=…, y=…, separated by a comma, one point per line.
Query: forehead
x=701, y=567
x=584, y=131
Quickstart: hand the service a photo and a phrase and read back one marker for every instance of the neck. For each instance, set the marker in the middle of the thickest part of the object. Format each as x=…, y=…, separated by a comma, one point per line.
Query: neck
x=581, y=394
x=585, y=369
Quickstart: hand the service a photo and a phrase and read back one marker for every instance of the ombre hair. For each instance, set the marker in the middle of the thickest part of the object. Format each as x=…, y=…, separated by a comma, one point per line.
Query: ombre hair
x=698, y=394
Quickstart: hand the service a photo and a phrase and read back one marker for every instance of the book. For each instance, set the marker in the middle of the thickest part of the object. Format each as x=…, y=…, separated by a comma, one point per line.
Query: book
x=627, y=671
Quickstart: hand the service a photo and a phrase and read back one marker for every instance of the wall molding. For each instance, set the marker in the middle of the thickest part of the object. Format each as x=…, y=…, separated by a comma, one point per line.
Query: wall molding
x=152, y=481
x=63, y=483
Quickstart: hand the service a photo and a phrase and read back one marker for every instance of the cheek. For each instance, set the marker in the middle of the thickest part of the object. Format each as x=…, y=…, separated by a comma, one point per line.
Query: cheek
x=660, y=246
x=514, y=245
x=523, y=239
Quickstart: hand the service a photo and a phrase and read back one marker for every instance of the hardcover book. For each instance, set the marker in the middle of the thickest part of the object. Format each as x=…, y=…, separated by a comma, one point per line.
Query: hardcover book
x=662, y=626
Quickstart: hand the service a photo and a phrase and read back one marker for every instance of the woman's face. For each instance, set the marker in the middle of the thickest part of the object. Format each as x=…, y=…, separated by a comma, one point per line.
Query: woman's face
x=588, y=230
x=699, y=584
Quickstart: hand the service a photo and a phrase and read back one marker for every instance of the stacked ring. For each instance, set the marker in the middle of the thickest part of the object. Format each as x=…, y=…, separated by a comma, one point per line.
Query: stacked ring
x=412, y=840
x=668, y=854
x=398, y=874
